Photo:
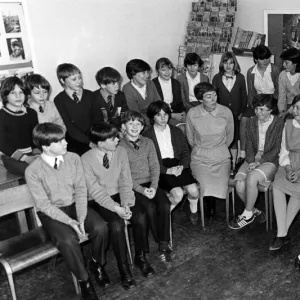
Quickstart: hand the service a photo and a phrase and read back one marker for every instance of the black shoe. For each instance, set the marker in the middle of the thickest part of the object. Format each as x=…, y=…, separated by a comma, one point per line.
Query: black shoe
x=279, y=242
x=87, y=290
x=194, y=218
x=141, y=261
x=239, y=162
x=100, y=274
x=127, y=279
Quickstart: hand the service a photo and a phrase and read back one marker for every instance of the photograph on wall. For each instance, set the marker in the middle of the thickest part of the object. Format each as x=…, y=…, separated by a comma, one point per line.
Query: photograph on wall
x=11, y=21
x=15, y=49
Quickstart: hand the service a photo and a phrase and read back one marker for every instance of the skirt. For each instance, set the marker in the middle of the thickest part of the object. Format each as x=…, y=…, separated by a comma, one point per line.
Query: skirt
x=168, y=182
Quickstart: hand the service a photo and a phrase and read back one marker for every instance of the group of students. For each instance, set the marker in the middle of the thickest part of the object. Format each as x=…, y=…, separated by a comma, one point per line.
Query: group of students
x=127, y=152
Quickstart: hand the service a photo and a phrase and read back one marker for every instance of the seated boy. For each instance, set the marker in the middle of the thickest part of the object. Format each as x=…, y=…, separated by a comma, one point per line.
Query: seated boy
x=190, y=79
x=57, y=184
x=109, y=183
x=145, y=173
x=78, y=108
x=113, y=101
x=38, y=91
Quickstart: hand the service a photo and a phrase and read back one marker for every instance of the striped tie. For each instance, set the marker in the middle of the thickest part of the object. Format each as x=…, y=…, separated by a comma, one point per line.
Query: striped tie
x=105, y=161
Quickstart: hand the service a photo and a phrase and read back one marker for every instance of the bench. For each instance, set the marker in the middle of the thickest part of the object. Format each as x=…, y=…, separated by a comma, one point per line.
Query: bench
x=29, y=248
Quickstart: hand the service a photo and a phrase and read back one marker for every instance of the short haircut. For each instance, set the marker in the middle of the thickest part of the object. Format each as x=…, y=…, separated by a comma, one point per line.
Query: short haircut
x=291, y=54
x=155, y=107
x=163, y=62
x=261, y=52
x=102, y=132
x=224, y=59
x=192, y=59
x=46, y=133
x=36, y=81
x=63, y=71
x=131, y=115
x=135, y=66
x=107, y=75
x=8, y=85
x=263, y=100
x=202, y=88
x=296, y=100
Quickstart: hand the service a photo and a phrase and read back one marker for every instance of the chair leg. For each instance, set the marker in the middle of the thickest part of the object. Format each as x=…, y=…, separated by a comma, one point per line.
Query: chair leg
x=76, y=285
x=202, y=210
x=171, y=236
x=271, y=206
x=9, y=274
x=233, y=202
x=227, y=205
x=128, y=243
x=267, y=208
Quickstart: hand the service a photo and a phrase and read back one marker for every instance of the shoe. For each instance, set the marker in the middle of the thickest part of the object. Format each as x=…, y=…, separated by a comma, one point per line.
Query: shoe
x=194, y=218
x=279, y=242
x=241, y=222
x=165, y=255
x=261, y=217
x=141, y=262
x=127, y=279
x=100, y=274
x=297, y=262
x=239, y=162
x=87, y=290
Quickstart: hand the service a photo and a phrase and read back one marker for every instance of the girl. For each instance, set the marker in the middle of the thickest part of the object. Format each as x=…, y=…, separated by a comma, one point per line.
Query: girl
x=16, y=125
x=231, y=89
x=174, y=157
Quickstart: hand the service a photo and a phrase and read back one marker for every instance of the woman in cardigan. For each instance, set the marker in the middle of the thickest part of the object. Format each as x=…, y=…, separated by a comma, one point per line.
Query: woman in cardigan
x=174, y=157
x=263, y=138
x=262, y=78
x=169, y=90
x=139, y=91
x=287, y=179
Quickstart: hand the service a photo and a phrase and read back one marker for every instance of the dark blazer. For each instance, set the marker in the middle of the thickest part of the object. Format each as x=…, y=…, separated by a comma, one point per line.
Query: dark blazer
x=180, y=147
x=236, y=99
x=177, y=104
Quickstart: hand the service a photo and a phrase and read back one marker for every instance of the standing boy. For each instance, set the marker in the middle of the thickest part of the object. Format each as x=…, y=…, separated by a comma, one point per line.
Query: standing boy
x=57, y=184
x=78, y=108
x=145, y=171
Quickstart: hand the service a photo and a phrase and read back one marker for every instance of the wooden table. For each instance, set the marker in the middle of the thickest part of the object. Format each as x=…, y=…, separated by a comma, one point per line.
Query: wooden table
x=8, y=180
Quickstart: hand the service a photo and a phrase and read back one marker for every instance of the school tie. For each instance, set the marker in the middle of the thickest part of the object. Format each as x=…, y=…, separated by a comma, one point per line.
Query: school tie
x=55, y=163
x=75, y=97
x=41, y=109
x=110, y=105
x=105, y=161
x=228, y=77
x=135, y=144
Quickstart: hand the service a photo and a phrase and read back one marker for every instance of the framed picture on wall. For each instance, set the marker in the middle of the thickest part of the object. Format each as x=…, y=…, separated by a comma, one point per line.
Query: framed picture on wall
x=282, y=29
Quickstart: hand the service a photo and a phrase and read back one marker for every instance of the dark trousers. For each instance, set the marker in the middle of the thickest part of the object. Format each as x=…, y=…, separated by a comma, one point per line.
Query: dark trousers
x=158, y=213
x=67, y=241
x=116, y=229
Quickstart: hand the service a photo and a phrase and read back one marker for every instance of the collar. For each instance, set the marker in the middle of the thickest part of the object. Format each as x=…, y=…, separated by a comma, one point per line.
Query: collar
x=195, y=78
x=51, y=160
x=100, y=153
x=21, y=112
x=143, y=88
x=105, y=94
x=70, y=94
x=267, y=122
x=164, y=82
x=255, y=70
x=205, y=112
x=157, y=129
x=36, y=106
x=296, y=124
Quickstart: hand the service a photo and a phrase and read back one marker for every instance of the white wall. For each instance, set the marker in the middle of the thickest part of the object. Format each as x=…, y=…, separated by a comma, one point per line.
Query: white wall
x=96, y=33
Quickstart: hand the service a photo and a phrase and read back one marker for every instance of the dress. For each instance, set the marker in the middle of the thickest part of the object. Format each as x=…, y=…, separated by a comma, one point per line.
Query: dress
x=289, y=154
x=210, y=135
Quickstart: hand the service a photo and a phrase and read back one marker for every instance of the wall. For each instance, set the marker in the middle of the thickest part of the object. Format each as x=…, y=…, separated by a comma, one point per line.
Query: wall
x=97, y=33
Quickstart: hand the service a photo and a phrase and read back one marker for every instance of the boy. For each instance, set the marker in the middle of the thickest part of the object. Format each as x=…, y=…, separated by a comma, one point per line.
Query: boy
x=190, y=79
x=78, y=108
x=145, y=173
x=38, y=90
x=113, y=101
x=57, y=184
x=109, y=183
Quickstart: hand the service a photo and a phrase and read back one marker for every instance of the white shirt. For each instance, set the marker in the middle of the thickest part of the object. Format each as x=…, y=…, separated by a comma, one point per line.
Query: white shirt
x=51, y=160
x=141, y=90
x=262, y=130
x=292, y=78
x=263, y=85
x=192, y=82
x=101, y=154
x=164, y=142
x=284, y=158
x=166, y=87
x=229, y=82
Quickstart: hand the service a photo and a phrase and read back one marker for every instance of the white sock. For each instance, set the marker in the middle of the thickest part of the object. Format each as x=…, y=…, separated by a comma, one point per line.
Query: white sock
x=193, y=205
x=243, y=153
x=248, y=214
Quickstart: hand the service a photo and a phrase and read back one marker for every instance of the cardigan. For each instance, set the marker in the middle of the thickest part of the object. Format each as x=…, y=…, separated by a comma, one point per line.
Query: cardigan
x=236, y=99
x=179, y=144
x=250, y=83
x=102, y=183
x=177, y=104
x=185, y=88
x=143, y=162
x=53, y=188
x=272, y=141
x=135, y=100
x=79, y=117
